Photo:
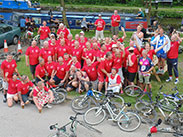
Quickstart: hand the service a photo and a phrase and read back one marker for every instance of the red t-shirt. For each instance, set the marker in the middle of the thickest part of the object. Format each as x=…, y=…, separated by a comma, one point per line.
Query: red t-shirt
x=77, y=65
x=12, y=86
x=40, y=70
x=61, y=70
x=50, y=67
x=89, y=54
x=82, y=45
x=61, y=50
x=65, y=32
x=106, y=64
x=44, y=32
x=118, y=79
x=173, y=53
x=108, y=47
x=149, y=54
x=44, y=53
x=114, y=23
x=24, y=88
x=101, y=54
x=134, y=67
x=33, y=54
x=35, y=92
x=91, y=71
x=8, y=67
x=118, y=61
x=78, y=53
x=53, y=47
x=100, y=24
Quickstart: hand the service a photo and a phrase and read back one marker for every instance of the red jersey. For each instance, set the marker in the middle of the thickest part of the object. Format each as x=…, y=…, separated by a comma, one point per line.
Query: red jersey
x=12, y=86
x=64, y=31
x=61, y=70
x=149, y=54
x=40, y=70
x=53, y=47
x=61, y=50
x=113, y=22
x=50, y=67
x=89, y=54
x=173, y=53
x=82, y=45
x=78, y=53
x=100, y=24
x=118, y=79
x=106, y=64
x=24, y=88
x=44, y=53
x=134, y=67
x=8, y=67
x=108, y=47
x=33, y=53
x=77, y=65
x=101, y=54
x=44, y=32
x=35, y=92
x=118, y=61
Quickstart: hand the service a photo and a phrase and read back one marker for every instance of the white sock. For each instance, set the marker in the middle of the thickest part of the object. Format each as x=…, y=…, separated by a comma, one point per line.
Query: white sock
x=170, y=77
x=177, y=78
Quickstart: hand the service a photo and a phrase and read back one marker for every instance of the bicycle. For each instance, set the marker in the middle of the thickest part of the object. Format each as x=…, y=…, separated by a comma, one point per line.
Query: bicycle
x=126, y=121
x=154, y=129
x=62, y=131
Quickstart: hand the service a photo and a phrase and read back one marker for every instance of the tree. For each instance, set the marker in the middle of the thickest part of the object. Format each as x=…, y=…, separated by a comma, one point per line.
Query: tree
x=148, y=6
x=62, y=4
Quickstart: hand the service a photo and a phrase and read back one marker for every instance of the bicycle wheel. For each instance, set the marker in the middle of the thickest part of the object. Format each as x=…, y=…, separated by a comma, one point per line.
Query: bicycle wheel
x=61, y=134
x=89, y=127
x=59, y=98
x=63, y=90
x=129, y=122
x=94, y=116
x=133, y=90
x=176, y=121
x=80, y=103
x=168, y=104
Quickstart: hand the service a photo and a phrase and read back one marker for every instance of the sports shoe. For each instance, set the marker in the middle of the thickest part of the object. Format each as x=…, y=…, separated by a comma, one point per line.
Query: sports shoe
x=169, y=79
x=4, y=100
x=48, y=106
x=176, y=81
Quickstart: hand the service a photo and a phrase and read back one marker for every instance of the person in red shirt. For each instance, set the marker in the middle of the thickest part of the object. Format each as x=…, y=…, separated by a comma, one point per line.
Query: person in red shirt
x=62, y=29
x=132, y=66
x=108, y=44
x=115, y=20
x=95, y=49
x=83, y=35
x=67, y=59
x=42, y=96
x=101, y=53
x=113, y=81
x=91, y=70
x=70, y=43
x=12, y=89
x=60, y=73
x=53, y=44
x=44, y=32
x=50, y=67
x=24, y=90
x=61, y=49
x=32, y=55
x=100, y=27
x=8, y=66
x=104, y=69
x=46, y=51
x=82, y=42
x=172, y=58
x=77, y=51
x=74, y=62
x=40, y=71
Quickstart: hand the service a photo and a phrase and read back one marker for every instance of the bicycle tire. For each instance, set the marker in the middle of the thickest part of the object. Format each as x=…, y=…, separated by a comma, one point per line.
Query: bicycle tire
x=89, y=127
x=168, y=104
x=176, y=121
x=80, y=103
x=59, y=98
x=123, y=121
x=133, y=91
x=62, y=134
x=97, y=112
x=63, y=90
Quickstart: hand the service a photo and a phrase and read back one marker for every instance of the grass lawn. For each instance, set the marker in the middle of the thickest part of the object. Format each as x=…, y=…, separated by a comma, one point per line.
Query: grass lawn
x=155, y=84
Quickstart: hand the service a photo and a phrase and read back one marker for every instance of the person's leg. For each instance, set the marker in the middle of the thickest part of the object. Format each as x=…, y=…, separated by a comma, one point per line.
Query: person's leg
x=15, y=97
x=116, y=31
x=101, y=81
x=175, y=69
x=5, y=88
x=102, y=34
x=113, y=30
x=10, y=101
x=170, y=66
x=141, y=81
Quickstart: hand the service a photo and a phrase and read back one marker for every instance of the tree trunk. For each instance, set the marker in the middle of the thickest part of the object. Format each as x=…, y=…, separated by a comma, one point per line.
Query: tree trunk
x=148, y=15
x=62, y=4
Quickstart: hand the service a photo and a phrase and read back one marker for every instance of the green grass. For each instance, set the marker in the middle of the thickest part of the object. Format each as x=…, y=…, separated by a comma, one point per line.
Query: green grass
x=23, y=69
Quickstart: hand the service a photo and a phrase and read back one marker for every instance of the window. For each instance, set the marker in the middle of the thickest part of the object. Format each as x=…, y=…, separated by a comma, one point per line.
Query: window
x=7, y=29
x=78, y=22
x=37, y=20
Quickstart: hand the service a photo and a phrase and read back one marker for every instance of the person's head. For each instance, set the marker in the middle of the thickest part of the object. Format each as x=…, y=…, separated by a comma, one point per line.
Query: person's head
x=109, y=55
x=115, y=12
x=51, y=16
x=61, y=26
x=107, y=40
x=73, y=68
x=131, y=50
x=88, y=45
x=9, y=57
x=45, y=44
x=155, y=23
x=100, y=16
x=77, y=37
x=40, y=85
x=25, y=79
x=118, y=53
x=41, y=61
x=66, y=56
x=88, y=62
x=82, y=33
x=62, y=42
x=114, y=47
x=95, y=46
x=161, y=31
x=82, y=38
x=52, y=36
x=94, y=39
x=15, y=75
x=53, y=30
x=113, y=71
x=140, y=9
x=114, y=37
x=69, y=37
x=84, y=19
x=76, y=44
x=44, y=23
x=147, y=46
x=34, y=43
x=103, y=47
x=61, y=35
x=139, y=28
x=174, y=37
x=144, y=54
x=49, y=59
x=74, y=59
x=60, y=60
x=53, y=40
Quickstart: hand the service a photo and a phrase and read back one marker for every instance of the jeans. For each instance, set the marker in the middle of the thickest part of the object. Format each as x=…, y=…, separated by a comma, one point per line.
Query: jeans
x=173, y=64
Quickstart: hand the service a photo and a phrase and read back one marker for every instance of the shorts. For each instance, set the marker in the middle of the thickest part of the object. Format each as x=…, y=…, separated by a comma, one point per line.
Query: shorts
x=94, y=84
x=5, y=85
x=33, y=68
x=57, y=80
x=131, y=76
x=144, y=79
x=115, y=30
x=25, y=96
x=125, y=72
x=115, y=89
x=162, y=55
x=11, y=95
x=101, y=77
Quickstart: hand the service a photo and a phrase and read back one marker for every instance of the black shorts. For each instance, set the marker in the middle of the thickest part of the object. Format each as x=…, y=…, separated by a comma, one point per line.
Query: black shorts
x=125, y=72
x=131, y=76
x=33, y=68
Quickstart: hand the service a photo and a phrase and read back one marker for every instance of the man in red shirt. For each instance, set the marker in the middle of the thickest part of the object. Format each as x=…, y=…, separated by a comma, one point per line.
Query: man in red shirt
x=77, y=51
x=100, y=26
x=104, y=69
x=32, y=55
x=63, y=29
x=61, y=49
x=101, y=53
x=172, y=58
x=44, y=32
x=8, y=66
x=50, y=67
x=40, y=71
x=115, y=20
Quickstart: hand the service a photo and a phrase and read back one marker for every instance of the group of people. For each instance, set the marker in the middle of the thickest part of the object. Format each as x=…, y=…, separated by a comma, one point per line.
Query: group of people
x=81, y=62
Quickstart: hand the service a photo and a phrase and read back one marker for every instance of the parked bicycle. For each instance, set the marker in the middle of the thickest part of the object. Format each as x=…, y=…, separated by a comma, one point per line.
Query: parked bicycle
x=62, y=131
x=127, y=121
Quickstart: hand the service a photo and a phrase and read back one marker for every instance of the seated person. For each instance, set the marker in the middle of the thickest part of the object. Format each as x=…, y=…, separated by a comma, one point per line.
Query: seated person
x=24, y=90
x=113, y=81
x=12, y=89
x=140, y=13
x=83, y=81
x=42, y=96
x=40, y=72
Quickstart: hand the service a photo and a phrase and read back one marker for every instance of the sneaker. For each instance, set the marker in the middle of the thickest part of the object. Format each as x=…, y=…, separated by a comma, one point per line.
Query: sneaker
x=176, y=81
x=4, y=100
x=48, y=106
x=169, y=79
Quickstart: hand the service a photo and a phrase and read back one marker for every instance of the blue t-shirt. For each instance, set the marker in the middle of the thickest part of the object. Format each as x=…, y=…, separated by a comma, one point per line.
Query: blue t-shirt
x=22, y=22
x=160, y=43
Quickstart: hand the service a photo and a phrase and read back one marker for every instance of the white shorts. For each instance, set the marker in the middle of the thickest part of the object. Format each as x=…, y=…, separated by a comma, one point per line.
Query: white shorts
x=115, y=89
x=11, y=95
x=5, y=85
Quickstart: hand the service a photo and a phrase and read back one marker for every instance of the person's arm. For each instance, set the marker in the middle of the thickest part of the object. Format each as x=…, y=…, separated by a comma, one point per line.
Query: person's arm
x=26, y=60
x=140, y=35
x=179, y=39
x=130, y=61
x=39, y=78
x=105, y=72
x=158, y=49
x=51, y=96
x=106, y=85
x=94, y=58
x=66, y=76
x=124, y=33
x=137, y=44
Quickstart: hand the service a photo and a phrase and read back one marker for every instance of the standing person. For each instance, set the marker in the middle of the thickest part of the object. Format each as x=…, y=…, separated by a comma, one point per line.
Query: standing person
x=160, y=40
x=172, y=58
x=8, y=66
x=44, y=32
x=32, y=57
x=115, y=20
x=62, y=29
x=84, y=25
x=40, y=72
x=22, y=24
x=100, y=27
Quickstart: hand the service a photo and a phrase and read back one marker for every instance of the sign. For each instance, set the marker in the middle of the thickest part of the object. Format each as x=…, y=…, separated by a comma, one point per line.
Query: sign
x=134, y=24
